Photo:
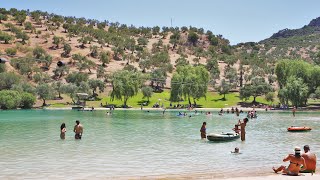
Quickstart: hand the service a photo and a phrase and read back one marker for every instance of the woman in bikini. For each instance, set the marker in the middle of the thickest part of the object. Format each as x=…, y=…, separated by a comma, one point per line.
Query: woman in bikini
x=295, y=164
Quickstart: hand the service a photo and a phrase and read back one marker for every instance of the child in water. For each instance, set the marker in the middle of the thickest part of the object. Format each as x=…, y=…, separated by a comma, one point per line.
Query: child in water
x=236, y=150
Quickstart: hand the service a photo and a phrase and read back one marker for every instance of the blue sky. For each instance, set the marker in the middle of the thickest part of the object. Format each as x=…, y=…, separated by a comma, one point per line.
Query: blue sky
x=236, y=20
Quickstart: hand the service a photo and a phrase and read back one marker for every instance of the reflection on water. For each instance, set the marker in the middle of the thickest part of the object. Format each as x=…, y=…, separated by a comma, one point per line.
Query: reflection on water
x=139, y=143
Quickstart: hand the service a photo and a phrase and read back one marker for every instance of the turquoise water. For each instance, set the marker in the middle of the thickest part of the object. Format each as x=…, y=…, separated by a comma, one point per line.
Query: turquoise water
x=139, y=143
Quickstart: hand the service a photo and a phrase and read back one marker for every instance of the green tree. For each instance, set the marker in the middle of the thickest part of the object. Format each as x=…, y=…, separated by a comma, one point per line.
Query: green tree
x=269, y=97
x=9, y=99
x=39, y=52
x=94, y=84
x=296, y=91
x=27, y=100
x=224, y=88
x=77, y=78
x=104, y=58
x=57, y=40
x=147, y=92
x=94, y=51
x=58, y=87
x=45, y=92
x=193, y=38
x=11, y=51
x=189, y=81
x=125, y=84
x=257, y=87
x=6, y=37
x=8, y=79
x=67, y=49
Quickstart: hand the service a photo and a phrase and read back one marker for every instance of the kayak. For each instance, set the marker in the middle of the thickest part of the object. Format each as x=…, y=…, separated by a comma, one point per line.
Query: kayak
x=223, y=136
x=298, y=129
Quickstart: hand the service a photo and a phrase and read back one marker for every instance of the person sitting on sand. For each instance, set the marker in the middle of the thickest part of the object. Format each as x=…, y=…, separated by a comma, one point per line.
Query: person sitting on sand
x=296, y=160
x=310, y=159
x=203, y=131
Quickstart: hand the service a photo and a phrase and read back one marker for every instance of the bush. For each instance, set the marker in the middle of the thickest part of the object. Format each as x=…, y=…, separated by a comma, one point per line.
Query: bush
x=27, y=100
x=9, y=99
x=11, y=51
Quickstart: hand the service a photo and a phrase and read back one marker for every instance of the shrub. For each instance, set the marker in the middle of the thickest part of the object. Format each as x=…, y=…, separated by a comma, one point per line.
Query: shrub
x=9, y=99
x=11, y=51
x=27, y=100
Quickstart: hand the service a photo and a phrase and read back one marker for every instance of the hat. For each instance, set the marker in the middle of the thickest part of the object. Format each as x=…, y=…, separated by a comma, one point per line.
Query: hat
x=297, y=149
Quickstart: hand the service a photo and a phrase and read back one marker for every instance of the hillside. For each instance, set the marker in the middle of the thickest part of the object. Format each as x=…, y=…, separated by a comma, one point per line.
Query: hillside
x=51, y=55
x=302, y=43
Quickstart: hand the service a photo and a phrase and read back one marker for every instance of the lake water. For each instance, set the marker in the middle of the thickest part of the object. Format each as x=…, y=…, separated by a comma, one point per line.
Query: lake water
x=130, y=144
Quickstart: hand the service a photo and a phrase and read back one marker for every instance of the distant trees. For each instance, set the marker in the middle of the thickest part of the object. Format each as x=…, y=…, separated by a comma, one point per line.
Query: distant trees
x=193, y=38
x=45, y=92
x=147, y=92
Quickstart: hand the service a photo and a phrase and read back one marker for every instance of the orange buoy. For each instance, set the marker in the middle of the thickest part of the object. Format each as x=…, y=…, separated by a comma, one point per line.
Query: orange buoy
x=298, y=129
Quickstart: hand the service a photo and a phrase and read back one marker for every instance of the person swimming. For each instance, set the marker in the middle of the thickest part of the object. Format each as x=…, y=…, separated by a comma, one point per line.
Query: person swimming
x=236, y=150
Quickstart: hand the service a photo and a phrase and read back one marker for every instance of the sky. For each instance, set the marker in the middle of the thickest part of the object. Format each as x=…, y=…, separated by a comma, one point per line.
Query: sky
x=237, y=20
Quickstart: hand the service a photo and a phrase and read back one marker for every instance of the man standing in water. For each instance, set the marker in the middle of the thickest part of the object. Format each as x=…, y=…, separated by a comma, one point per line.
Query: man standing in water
x=294, y=111
x=78, y=129
x=243, y=128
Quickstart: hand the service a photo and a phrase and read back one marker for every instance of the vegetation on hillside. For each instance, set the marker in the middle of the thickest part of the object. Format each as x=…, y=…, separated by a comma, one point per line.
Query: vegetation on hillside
x=51, y=55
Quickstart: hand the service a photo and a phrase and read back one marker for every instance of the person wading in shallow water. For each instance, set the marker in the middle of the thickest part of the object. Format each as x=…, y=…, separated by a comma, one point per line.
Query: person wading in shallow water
x=203, y=131
x=78, y=129
x=243, y=128
x=63, y=131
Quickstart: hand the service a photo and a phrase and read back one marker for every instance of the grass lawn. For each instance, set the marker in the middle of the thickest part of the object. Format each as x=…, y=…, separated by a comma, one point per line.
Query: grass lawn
x=212, y=100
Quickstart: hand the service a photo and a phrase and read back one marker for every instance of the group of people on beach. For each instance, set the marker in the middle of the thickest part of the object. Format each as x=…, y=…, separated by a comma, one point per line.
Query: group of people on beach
x=78, y=130
x=299, y=163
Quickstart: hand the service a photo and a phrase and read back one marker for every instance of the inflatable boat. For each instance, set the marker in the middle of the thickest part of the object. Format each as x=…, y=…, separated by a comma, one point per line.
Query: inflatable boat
x=222, y=136
x=298, y=129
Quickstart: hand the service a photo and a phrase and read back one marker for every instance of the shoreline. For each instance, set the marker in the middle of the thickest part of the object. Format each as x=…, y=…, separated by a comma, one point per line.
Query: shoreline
x=245, y=109
x=252, y=176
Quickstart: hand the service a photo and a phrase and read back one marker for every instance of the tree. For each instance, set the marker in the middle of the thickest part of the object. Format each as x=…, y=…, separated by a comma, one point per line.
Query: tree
x=9, y=99
x=189, y=81
x=94, y=51
x=3, y=17
x=72, y=90
x=147, y=92
x=269, y=97
x=45, y=92
x=125, y=84
x=224, y=88
x=8, y=79
x=296, y=91
x=142, y=41
x=57, y=40
x=317, y=92
x=67, y=49
x=28, y=26
x=193, y=38
x=257, y=87
x=6, y=37
x=58, y=87
x=23, y=36
x=101, y=72
x=27, y=100
x=38, y=52
x=77, y=78
x=94, y=84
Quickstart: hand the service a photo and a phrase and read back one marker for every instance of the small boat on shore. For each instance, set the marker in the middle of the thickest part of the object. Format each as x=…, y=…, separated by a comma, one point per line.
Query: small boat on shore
x=298, y=129
x=223, y=136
